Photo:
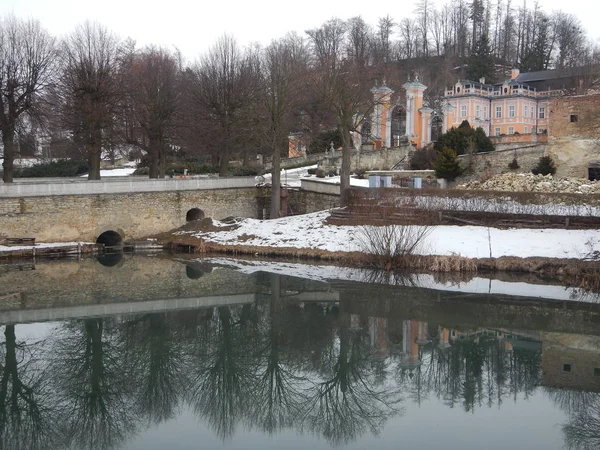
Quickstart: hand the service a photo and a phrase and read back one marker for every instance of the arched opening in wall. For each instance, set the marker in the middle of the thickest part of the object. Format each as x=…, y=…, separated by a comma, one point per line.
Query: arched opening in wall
x=437, y=123
x=398, y=128
x=365, y=132
x=594, y=170
x=110, y=239
x=194, y=214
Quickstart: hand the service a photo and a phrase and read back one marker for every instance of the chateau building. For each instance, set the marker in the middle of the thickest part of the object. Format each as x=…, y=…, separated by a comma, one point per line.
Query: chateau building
x=515, y=110
x=509, y=108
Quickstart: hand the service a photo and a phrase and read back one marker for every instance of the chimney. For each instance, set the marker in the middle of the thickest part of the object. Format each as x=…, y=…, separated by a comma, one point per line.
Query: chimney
x=482, y=80
x=514, y=73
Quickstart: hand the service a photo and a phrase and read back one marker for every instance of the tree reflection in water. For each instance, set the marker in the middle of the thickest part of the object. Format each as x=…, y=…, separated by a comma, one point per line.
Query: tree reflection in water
x=28, y=410
x=582, y=431
x=349, y=401
x=276, y=364
x=222, y=374
x=89, y=369
x=155, y=358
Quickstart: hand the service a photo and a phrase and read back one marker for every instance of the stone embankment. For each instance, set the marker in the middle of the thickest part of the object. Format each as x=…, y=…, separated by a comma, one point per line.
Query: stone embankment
x=528, y=182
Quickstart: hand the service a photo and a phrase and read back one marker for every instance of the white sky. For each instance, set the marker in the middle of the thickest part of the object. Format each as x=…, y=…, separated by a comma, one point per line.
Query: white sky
x=193, y=26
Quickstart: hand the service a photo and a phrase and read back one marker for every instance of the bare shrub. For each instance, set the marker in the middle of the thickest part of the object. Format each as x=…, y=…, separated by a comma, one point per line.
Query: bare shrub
x=452, y=263
x=390, y=246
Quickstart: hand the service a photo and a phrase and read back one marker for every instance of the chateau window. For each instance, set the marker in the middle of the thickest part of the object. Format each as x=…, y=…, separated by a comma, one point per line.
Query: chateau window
x=485, y=116
x=477, y=111
x=511, y=130
x=498, y=112
x=497, y=132
x=526, y=130
x=511, y=111
x=542, y=113
x=463, y=110
x=533, y=112
x=525, y=111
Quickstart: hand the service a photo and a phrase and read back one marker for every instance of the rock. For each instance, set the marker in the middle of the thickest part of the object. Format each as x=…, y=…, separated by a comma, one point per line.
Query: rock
x=528, y=182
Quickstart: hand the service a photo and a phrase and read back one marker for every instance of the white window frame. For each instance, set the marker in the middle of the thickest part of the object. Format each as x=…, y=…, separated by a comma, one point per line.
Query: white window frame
x=511, y=130
x=485, y=115
x=477, y=108
x=525, y=130
x=525, y=111
x=498, y=112
x=511, y=111
x=542, y=112
x=463, y=110
x=497, y=132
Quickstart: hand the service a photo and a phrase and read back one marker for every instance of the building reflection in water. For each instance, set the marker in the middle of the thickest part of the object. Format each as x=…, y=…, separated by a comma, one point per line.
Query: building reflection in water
x=278, y=364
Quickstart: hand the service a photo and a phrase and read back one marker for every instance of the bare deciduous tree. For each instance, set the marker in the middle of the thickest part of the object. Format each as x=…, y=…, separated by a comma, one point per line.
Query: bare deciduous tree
x=90, y=87
x=152, y=87
x=27, y=55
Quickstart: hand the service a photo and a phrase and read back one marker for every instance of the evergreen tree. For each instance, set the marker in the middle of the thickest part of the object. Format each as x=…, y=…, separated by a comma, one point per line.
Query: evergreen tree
x=481, y=62
x=545, y=166
x=447, y=166
x=461, y=138
x=537, y=57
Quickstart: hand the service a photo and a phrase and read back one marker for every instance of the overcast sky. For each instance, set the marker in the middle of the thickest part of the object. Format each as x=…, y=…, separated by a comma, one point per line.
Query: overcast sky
x=193, y=26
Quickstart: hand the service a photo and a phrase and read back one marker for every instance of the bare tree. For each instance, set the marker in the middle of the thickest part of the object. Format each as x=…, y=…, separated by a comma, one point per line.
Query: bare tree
x=90, y=86
x=27, y=55
x=343, y=84
x=223, y=89
x=282, y=69
x=153, y=91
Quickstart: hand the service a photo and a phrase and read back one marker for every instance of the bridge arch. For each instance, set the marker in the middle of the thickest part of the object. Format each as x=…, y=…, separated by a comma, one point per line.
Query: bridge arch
x=110, y=237
x=194, y=214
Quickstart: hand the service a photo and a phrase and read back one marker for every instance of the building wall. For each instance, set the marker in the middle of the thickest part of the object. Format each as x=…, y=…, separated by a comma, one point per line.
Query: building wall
x=586, y=109
x=67, y=218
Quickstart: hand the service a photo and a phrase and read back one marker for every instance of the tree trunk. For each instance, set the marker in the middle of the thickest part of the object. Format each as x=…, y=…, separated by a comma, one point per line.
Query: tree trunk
x=345, y=169
x=8, y=140
x=275, y=184
x=95, y=153
x=153, y=153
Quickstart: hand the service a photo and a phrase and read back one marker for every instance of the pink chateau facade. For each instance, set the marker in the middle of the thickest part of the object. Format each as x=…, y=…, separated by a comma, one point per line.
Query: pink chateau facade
x=509, y=111
x=504, y=109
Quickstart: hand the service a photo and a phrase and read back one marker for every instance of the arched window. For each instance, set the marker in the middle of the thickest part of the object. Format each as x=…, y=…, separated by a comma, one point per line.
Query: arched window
x=365, y=132
x=437, y=123
x=398, y=125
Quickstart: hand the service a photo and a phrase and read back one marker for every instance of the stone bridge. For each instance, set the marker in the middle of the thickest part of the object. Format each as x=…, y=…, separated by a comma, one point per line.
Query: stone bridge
x=81, y=210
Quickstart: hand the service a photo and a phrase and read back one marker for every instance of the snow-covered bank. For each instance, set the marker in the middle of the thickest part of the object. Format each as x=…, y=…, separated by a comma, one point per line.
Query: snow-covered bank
x=311, y=231
x=476, y=285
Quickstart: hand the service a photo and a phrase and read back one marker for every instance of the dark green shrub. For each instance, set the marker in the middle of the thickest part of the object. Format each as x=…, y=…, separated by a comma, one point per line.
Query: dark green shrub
x=312, y=171
x=447, y=164
x=424, y=159
x=322, y=141
x=514, y=164
x=462, y=138
x=545, y=166
x=142, y=171
x=58, y=168
x=244, y=171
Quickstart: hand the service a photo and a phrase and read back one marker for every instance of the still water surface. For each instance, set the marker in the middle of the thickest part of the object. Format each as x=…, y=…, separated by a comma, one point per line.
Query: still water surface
x=155, y=354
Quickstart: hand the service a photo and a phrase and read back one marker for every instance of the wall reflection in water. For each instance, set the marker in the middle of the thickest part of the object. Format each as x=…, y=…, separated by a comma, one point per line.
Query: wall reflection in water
x=278, y=363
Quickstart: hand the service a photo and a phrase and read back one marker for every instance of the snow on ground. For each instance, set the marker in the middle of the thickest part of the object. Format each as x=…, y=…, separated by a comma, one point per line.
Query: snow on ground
x=311, y=232
x=115, y=172
x=293, y=177
x=476, y=285
x=6, y=248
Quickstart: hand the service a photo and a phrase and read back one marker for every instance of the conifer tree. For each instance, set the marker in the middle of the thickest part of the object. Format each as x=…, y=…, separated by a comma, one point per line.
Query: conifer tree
x=481, y=61
x=447, y=166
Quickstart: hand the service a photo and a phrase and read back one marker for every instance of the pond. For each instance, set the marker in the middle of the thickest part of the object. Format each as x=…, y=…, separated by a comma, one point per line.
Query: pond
x=154, y=353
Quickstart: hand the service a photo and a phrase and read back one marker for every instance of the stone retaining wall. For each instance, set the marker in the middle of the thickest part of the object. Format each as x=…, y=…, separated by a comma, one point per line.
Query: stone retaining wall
x=66, y=218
